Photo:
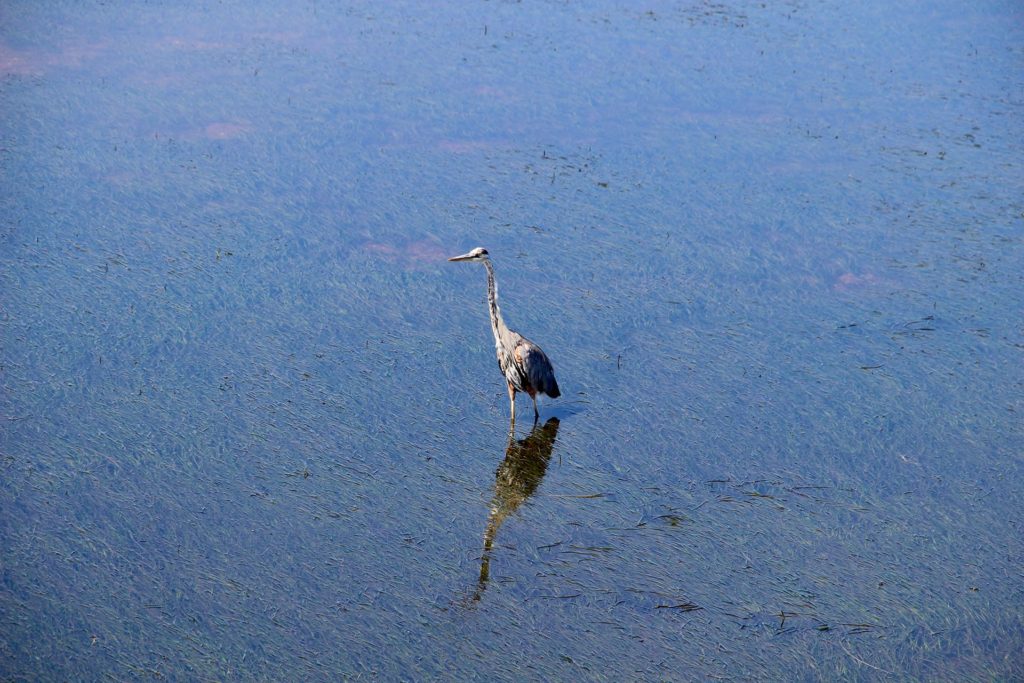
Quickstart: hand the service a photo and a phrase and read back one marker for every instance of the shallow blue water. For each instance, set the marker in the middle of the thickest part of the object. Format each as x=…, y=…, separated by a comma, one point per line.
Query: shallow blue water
x=252, y=426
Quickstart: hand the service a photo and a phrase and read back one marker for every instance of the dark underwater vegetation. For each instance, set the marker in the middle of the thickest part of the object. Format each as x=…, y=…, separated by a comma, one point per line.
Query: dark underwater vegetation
x=251, y=423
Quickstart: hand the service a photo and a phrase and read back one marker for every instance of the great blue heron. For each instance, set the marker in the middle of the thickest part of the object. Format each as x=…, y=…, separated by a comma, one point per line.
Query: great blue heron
x=525, y=366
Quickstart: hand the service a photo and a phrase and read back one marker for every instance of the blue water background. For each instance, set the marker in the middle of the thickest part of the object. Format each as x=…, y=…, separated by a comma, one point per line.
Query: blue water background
x=251, y=425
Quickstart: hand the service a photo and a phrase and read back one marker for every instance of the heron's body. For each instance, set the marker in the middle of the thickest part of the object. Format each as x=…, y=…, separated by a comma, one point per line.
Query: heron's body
x=525, y=366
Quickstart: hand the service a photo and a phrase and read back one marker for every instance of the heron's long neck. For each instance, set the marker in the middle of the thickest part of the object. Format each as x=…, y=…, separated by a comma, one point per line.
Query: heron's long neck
x=497, y=323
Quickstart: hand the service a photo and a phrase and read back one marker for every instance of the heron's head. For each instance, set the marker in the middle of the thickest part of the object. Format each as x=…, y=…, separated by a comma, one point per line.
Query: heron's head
x=478, y=254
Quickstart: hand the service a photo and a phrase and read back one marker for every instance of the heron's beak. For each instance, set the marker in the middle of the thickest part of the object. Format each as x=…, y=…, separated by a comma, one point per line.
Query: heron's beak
x=464, y=257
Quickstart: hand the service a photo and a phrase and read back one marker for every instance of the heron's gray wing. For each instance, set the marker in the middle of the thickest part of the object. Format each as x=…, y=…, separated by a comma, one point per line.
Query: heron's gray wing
x=537, y=368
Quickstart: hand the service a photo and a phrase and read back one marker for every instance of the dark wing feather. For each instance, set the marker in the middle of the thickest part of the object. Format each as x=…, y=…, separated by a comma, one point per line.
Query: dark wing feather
x=537, y=369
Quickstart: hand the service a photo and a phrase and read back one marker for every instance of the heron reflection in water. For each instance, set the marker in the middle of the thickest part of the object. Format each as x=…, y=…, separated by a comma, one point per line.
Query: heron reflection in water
x=517, y=478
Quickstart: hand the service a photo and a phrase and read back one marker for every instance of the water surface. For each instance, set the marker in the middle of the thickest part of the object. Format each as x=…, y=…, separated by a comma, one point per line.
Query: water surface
x=252, y=426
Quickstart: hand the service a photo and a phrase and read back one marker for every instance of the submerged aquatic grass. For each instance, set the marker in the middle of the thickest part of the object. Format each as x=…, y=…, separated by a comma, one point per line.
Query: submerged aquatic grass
x=251, y=422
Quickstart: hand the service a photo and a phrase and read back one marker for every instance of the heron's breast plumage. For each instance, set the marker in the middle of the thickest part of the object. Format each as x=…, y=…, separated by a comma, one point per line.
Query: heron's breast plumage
x=511, y=369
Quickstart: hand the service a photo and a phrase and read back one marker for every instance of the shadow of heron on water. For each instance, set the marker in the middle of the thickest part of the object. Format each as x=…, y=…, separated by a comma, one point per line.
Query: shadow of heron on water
x=517, y=478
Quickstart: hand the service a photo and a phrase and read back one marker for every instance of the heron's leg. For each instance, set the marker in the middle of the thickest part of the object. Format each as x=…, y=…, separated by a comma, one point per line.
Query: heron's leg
x=512, y=401
x=536, y=413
